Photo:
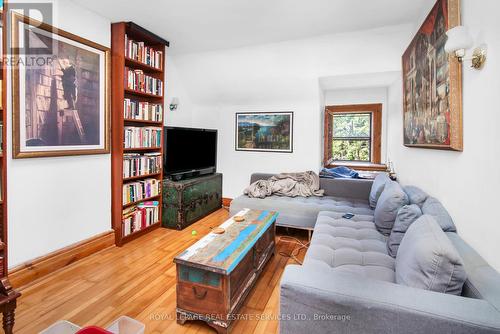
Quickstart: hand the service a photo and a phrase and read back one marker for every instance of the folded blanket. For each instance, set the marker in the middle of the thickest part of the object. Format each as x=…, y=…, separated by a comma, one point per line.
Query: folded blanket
x=339, y=172
x=303, y=184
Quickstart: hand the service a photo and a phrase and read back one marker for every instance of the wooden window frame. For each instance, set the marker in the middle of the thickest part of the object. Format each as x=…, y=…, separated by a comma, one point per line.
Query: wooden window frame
x=376, y=134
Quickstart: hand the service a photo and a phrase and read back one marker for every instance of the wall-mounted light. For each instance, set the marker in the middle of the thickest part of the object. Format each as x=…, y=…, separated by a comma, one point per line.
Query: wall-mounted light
x=459, y=41
x=174, y=103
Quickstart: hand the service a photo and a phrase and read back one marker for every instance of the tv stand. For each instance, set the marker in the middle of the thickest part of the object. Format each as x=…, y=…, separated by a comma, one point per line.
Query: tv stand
x=187, y=201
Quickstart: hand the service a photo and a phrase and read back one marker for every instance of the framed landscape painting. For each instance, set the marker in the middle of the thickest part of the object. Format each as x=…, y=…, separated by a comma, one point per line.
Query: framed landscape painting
x=60, y=92
x=432, y=84
x=266, y=132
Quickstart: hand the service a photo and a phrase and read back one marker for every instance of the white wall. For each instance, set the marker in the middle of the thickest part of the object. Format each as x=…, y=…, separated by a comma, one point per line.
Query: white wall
x=468, y=182
x=54, y=202
x=363, y=96
x=278, y=77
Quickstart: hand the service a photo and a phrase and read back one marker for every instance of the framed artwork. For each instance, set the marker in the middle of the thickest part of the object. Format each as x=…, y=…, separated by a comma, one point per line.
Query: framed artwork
x=265, y=132
x=60, y=92
x=432, y=84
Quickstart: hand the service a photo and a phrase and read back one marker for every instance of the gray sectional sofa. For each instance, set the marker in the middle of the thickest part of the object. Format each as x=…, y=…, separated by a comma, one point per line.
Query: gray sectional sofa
x=398, y=266
x=341, y=195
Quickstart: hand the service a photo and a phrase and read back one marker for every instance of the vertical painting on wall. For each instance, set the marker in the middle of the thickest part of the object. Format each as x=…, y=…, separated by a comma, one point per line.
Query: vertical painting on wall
x=268, y=132
x=60, y=92
x=432, y=84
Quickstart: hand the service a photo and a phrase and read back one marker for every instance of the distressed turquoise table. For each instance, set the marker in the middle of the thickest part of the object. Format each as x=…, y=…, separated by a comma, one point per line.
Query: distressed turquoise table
x=215, y=275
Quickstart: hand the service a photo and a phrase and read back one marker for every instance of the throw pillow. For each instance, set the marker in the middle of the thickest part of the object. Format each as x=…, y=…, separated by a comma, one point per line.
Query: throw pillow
x=434, y=208
x=377, y=188
x=406, y=216
x=427, y=259
x=415, y=195
x=391, y=200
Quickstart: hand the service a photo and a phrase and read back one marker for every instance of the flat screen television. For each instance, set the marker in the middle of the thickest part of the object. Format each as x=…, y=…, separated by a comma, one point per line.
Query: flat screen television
x=189, y=152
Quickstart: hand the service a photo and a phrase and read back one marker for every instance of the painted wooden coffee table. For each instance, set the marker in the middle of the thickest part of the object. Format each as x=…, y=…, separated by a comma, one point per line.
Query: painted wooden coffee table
x=215, y=275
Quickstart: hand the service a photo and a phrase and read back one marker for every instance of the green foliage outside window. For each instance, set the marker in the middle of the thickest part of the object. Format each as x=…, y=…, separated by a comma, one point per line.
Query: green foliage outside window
x=351, y=137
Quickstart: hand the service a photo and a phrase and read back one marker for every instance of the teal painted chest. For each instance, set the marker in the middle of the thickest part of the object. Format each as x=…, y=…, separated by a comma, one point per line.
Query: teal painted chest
x=186, y=201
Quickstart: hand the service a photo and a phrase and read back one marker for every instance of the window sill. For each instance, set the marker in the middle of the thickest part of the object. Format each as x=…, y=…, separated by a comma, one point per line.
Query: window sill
x=359, y=166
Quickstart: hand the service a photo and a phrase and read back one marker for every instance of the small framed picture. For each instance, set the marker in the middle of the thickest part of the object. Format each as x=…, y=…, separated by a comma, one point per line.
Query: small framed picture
x=264, y=131
x=60, y=92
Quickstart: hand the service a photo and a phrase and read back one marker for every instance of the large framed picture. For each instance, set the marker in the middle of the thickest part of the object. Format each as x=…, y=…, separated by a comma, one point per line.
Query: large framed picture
x=432, y=84
x=266, y=132
x=60, y=92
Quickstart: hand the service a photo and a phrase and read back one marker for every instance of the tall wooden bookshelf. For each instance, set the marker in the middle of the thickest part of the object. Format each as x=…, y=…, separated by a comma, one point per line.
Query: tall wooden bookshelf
x=120, y=32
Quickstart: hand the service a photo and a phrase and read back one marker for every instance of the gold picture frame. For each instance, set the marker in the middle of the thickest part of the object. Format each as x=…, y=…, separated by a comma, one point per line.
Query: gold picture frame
x=432, y=84
x=68, y=98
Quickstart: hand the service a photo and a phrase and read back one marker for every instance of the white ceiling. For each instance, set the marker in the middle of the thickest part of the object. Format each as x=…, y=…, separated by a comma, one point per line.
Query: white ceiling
x=202, y=25
x=359, y=81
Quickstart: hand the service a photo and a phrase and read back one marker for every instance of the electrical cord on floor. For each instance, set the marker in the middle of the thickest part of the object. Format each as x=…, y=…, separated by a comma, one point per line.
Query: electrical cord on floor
x=296, y=251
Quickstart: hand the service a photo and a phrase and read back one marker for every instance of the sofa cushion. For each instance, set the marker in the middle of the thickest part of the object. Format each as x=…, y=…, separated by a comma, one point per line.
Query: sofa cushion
x=427, y=259
x=350, y=246
x=406, y=216
x=434, y=208
x=415, y=195
x=391, y=200
x=377, y=188
x=339, y=220
x=301, y=212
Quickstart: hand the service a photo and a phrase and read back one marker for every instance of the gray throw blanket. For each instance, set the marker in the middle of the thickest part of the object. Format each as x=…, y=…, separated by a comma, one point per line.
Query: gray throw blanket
x=303, y=184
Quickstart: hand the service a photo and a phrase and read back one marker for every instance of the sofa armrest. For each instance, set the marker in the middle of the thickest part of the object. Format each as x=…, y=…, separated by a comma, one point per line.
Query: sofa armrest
x=346, y=188
x=317, y=299
x=254, y=177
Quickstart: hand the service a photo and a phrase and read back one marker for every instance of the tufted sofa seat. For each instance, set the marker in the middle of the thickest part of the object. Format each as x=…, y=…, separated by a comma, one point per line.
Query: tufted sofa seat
x=341, y=196
x=353, y=246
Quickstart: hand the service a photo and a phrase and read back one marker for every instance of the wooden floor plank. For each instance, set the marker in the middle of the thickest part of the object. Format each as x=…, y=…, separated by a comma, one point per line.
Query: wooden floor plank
x=139, y=280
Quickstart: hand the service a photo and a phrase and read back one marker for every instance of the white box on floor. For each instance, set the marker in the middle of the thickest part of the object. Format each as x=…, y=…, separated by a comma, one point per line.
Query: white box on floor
x=62, y=327
x=126, y=325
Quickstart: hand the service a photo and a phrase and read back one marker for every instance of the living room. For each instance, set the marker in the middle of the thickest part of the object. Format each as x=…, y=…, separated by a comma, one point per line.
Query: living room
x=257, y=90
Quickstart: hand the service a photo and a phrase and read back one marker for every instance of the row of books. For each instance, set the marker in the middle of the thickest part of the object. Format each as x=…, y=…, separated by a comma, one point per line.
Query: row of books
x=140, y=216
x=142, y=110
x=137, y=164
x=137, y=137
x=143, y=53
x=138, y=81
x=136, y=191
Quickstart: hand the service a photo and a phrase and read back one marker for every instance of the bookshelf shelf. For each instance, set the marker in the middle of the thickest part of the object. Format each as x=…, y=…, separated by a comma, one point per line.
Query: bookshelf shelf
x=139, y=149
x=143, y=94
x=142, y=121
x=140, y=44
x=138, y=177
x=152, y=198
x=145, y=67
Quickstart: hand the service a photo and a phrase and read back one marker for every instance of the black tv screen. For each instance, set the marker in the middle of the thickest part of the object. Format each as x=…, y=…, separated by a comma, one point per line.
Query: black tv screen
x=189, y=150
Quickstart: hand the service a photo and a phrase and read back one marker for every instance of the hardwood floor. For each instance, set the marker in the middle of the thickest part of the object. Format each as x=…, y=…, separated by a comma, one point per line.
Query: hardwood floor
x=138, y=280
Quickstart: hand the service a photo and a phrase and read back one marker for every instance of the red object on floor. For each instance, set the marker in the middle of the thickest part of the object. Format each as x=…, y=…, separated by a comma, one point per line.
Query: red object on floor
x=93, y=330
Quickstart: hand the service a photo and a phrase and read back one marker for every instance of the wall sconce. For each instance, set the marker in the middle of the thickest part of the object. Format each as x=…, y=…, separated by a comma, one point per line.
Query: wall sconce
x=459, y=41
x=174, y=103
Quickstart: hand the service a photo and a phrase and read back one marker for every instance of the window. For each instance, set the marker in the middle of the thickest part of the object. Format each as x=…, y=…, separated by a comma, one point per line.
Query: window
x=352, y=134
x=352, y=139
